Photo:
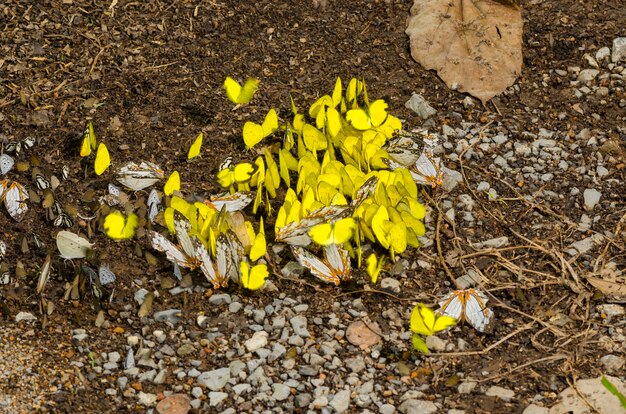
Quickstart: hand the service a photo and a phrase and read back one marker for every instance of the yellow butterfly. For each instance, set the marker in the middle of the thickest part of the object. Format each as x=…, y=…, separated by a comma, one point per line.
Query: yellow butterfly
x=103, y=160
x=194, y=150
x=253, y=278
x=172, y=184
x=425, y=322
x=119, y=227
x=236, y=174
x=314, y=139
x=338, y=232
x=89, y=141
x=253, y=133
x=374, y=266
x=374, y=116
x=238, y=94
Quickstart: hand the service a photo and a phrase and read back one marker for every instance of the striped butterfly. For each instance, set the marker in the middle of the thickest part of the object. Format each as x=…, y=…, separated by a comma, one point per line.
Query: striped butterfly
x=137, y=177
x=334, y=268
x=297, y=233
x=231, y=202
x=468, y=305
x=14, y=197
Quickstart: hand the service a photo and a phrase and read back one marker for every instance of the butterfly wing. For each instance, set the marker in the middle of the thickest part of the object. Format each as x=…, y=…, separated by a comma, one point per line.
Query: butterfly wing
x=452, y=305
x=206, y=264
x=476, y=311
x=103, y=160
x=182, y=233
x=194, y=150
x=106, y=275
x=71, y=245
x=316, y=266
x=15, y=198
x=153, y=204
x=427, y=170
x=172, y=252
x=6, y=163
x=231, y=202
x=339, y=260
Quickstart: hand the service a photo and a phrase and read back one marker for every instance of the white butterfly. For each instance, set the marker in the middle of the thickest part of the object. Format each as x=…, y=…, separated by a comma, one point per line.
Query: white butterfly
x=137, y=177
x=153, y=204
x=231, y=202
x=406, y=147
x=334, y=268
x=426, y=170
x=6, y=163
x=193, y=254
x=44, y=275
x=297, y=233
x=3, y=250
x=468, y=305
x=14, y=196
x=72, y=246
x=106, y=275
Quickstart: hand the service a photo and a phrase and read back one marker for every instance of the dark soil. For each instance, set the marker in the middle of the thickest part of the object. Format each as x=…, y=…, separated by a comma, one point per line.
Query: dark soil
x=149, y=75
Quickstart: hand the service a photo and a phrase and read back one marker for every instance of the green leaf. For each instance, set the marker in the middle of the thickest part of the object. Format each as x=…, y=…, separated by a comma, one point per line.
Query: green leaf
x=607, y=384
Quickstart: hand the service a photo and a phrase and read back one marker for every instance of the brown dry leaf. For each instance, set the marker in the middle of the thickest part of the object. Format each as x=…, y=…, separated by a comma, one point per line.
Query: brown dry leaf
x=474, y=45
x=363, y=335
x=609, y=288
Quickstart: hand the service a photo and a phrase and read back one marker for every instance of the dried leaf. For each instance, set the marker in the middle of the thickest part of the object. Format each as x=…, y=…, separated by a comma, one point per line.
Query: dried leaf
x=363, y=335
x=474, y=45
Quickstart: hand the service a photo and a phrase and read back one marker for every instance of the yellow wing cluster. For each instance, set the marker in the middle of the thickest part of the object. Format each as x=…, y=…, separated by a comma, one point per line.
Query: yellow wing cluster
x=89, y=144
x=340, y=185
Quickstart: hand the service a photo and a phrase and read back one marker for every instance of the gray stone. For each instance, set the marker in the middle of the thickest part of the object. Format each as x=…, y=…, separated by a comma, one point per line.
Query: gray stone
x=417, y=407
x=280, y=392
x=215, y=398
x=611, y=309
x=420, y=106
x=160, y=377
x=356, y=364
x=619, y=49
x=536, y=409
x=214, y=380
x=451, y=179
x=235, y=307
x=258, y=340
x=587, y=75
x=110, y=366
x=303, y=400
x=590, y=392
x=170, y=315
x=236, y=367
x=466, y=387
x=341, y=401
x=220, y=299
x=146, y=399
x=386, y=409
x=591, y=197
x=196, y=392
x=299, y=325
x=391, y=284
x=114, y=356
x=502, y=393
x=435, y=343
x=185, y=349
x=147, y=376
x=612, y=363
x=603, y=54
x=241, y=388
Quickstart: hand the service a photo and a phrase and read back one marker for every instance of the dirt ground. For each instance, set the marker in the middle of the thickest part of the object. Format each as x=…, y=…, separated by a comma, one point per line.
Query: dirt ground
x=149, y=75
